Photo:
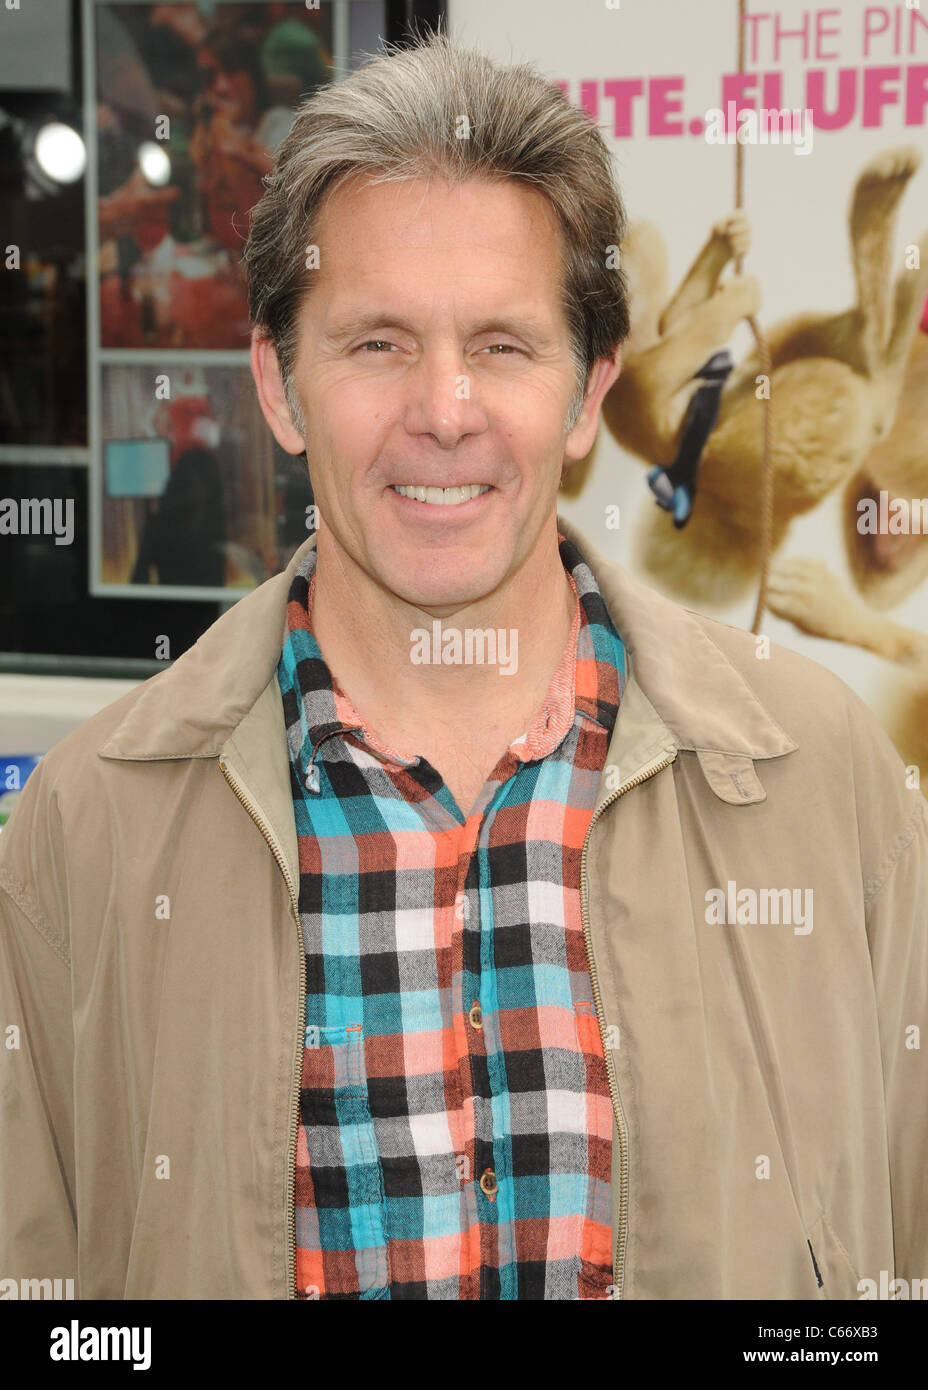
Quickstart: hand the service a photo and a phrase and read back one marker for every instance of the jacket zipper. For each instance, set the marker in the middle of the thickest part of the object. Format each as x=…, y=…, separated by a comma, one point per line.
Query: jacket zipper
x=618, y=1255
x=298, y=1059
x=618, y=1261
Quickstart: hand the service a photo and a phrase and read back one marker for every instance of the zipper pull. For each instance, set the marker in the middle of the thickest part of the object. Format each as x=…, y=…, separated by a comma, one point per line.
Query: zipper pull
x=814, y=1265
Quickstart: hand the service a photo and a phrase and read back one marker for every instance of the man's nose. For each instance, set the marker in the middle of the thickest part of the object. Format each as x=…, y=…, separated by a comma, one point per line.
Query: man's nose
x=443, y=399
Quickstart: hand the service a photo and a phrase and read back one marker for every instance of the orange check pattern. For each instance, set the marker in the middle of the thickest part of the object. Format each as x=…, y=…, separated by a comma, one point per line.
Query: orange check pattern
x=456, y=1123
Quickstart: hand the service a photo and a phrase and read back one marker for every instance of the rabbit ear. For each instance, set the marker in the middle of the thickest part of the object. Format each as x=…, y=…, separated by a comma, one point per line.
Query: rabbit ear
x=872, y=226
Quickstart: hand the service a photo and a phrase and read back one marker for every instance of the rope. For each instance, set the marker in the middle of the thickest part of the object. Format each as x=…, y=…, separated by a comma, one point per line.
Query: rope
x=766, y=366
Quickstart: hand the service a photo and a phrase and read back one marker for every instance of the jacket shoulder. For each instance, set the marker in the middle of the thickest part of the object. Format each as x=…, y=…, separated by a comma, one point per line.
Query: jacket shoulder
x=843, y=746
x=64, y=776
x=778, y=673
x=81, y=744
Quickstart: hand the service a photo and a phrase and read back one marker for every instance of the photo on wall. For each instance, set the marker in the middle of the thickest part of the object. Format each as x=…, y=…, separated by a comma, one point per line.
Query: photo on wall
x=196, y=495
x=191, y=103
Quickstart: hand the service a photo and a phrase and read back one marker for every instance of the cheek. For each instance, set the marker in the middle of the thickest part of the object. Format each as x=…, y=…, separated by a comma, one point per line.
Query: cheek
x=348, y=434
x=355, y=407
x=535, y=402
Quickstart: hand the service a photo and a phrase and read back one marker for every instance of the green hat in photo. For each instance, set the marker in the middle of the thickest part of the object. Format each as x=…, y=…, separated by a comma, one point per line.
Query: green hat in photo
x=292, y=50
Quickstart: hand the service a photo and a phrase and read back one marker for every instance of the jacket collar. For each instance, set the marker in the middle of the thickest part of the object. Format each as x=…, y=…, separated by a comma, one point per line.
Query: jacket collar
x=683, y=692
x=704, y=701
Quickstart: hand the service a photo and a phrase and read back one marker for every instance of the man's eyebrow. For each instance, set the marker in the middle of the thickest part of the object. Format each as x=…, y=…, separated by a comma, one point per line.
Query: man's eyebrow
x=519, y=326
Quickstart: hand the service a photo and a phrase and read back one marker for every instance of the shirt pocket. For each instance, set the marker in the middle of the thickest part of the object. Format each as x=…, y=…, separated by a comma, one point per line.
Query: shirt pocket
x=340, y=1201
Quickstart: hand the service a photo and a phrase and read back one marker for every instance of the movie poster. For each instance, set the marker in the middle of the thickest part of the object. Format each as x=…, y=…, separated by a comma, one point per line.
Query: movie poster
x=827, y=107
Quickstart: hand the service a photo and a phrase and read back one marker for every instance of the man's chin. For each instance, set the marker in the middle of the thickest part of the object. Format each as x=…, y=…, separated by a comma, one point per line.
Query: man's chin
x=430, y=577
x=441, y=594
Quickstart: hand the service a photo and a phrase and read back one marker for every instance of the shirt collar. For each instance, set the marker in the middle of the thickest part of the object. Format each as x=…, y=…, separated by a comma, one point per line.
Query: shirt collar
x=586, y=683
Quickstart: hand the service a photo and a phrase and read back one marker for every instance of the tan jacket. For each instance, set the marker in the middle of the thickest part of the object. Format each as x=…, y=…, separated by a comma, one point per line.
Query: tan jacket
x=771, y=1105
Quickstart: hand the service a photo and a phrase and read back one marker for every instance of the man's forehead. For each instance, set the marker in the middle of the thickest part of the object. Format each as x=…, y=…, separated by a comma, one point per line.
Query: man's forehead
x=378, y=273
x=415, y=189
x=499, y=216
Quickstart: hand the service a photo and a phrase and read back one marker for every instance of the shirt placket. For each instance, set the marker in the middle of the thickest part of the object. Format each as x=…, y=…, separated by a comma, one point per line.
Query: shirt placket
x=474, y=1141
x=481, y=1069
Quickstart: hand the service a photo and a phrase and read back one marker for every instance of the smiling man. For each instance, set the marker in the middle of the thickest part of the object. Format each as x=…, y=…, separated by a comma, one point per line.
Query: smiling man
x=435, y=366
x=340, y=971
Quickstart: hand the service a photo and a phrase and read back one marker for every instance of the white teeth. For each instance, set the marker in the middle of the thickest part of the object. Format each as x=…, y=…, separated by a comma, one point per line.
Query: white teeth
x=443, y=496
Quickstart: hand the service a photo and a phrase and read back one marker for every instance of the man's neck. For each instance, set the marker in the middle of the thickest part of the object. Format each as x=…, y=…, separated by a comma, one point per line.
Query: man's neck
x=365, y=636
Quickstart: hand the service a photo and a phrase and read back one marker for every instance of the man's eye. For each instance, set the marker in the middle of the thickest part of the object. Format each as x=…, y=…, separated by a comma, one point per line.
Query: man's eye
x=383, y=343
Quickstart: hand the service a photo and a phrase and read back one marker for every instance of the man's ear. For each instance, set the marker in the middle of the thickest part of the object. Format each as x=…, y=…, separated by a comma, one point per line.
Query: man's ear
x=603, y=375
x=265, y=369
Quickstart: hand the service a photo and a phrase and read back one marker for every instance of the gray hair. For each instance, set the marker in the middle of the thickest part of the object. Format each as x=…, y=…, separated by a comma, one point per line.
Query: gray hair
x=397, y=117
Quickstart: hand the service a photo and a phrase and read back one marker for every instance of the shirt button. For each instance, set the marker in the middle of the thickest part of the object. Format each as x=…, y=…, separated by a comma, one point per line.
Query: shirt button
x=476, y=1015
x=488, y=1183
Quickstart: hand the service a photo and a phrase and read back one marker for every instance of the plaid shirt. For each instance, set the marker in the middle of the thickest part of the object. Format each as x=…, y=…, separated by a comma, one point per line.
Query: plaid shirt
x=456, y=1123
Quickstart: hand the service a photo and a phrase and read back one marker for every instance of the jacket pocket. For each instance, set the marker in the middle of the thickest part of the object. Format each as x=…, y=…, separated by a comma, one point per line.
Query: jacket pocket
x=839, y=1279
x=339, y=1198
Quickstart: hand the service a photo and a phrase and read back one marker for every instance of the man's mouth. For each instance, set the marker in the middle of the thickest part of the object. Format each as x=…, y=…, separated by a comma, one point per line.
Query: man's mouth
x=441, y=496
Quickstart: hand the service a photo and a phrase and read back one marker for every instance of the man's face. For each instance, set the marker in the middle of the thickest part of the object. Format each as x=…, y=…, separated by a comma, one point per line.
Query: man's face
x=433, y=352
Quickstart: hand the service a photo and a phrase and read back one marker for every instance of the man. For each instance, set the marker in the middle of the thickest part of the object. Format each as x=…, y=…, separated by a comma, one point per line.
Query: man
x=459, y=918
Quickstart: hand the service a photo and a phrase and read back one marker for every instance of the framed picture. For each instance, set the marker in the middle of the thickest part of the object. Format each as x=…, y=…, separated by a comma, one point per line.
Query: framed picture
x=186, y=104
x=189, y=112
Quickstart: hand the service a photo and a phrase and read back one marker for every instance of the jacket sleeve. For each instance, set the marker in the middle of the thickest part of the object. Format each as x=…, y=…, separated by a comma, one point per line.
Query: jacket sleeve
x=897, y=927
x=38, y=1230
